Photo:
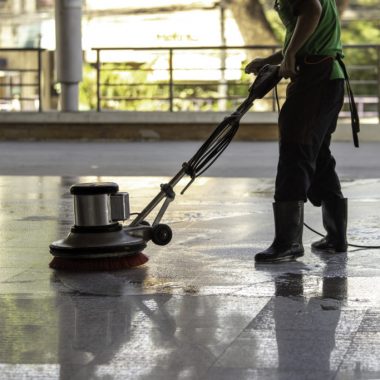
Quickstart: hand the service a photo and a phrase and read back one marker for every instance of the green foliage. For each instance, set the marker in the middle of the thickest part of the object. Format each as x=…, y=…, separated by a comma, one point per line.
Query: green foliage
x=123, y=86
x=361, y=32
x=129, y=88
x=277, y=27
x=362, y=62
x=87, y=88
x=373, y=3
x=195, y=97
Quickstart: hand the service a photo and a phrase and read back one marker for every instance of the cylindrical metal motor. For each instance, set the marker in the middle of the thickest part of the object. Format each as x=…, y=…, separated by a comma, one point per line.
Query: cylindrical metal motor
x=99, y=204
x=96, y=233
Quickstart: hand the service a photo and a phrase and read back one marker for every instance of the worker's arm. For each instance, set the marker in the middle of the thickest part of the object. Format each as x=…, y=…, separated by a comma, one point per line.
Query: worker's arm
x=308, y=15
x=255, y=66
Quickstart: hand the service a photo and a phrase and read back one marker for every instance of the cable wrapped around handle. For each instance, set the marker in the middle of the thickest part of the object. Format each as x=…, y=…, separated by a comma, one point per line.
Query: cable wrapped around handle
x=213, y=147
x=267, y=78
x=220, y=138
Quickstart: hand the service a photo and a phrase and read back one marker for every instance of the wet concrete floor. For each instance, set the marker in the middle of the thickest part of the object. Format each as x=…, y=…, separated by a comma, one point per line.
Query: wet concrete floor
x=200, y=308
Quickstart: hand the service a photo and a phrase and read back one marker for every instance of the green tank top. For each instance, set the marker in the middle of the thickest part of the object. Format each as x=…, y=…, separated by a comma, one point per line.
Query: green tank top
x=326, y=38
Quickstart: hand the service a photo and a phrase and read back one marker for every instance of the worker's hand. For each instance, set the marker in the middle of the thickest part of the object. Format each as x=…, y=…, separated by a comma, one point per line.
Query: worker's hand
x=288, y=66
x=255, y=66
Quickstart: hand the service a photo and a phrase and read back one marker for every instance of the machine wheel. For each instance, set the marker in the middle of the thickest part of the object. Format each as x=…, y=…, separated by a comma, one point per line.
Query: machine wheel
x=161, y=234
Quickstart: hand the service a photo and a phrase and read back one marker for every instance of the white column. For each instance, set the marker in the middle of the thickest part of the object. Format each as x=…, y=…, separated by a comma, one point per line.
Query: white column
x=68, y=17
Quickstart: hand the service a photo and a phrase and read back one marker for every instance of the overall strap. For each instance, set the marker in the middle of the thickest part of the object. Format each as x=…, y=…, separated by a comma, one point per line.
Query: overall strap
x=353, y=110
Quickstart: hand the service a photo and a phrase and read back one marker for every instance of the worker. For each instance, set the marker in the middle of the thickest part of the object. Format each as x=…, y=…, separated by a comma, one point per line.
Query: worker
x=312, y=58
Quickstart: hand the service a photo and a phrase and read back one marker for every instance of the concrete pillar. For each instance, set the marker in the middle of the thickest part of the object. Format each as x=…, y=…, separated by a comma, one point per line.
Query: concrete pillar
x=68, y=17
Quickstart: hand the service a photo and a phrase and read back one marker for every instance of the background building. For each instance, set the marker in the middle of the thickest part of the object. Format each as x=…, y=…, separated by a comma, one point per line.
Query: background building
x=194, y=74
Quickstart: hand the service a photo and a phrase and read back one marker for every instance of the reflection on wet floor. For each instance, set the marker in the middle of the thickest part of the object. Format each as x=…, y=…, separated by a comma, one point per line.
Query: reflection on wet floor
x=200, y=308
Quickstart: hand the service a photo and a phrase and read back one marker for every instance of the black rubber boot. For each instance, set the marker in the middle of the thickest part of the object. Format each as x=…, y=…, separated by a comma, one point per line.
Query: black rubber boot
x=334, y=216
x=287, y=244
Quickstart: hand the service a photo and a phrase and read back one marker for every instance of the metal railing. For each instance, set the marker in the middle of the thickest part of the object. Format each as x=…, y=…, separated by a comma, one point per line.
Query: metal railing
x=20, y=79
x=209, y=78
x=206, y=78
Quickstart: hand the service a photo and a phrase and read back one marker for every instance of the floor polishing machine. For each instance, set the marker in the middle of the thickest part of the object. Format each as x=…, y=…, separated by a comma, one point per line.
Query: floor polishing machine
x=99, y=208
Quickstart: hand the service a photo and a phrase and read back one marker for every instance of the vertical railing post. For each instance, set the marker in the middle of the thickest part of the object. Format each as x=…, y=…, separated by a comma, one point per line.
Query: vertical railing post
x=98, y=102
x=10, y=86
x=223, y=87
x=171, y=81
x=39, y=86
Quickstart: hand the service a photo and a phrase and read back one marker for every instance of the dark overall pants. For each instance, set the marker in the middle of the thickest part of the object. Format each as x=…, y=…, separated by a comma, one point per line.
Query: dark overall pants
x=306, y=168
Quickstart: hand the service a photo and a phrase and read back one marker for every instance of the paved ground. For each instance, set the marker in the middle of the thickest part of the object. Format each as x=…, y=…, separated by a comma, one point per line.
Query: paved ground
x=251, y=160
x=200, y=308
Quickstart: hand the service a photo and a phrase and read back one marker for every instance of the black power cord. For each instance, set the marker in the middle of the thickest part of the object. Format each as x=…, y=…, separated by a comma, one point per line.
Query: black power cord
x=307, y=226
x=214, y=146
x=224, y=133
x=217, y=142
x=350, y=245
